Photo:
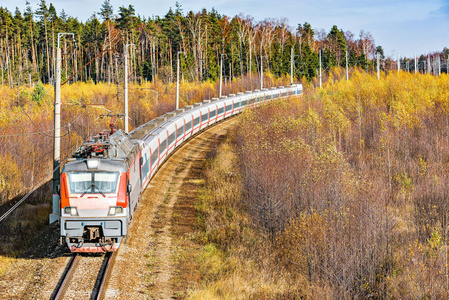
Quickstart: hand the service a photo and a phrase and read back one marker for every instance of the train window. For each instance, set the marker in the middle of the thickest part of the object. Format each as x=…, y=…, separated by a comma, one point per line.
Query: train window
x=188, y=126
x=180, y=131
x=80, y=182
x=213, y=113
x=238, y=104
x=171, y=138
x=105, y=182
x=229, y=107
x=220, y=110
x=196, y=121
x=154, y=157
x=204, y=117
x=93, y=182
x=163, y=146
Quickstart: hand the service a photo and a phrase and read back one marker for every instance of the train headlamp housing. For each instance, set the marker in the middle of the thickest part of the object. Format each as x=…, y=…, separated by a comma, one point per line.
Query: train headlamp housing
x=92, y=163
x=115, y=210
x=71, y=210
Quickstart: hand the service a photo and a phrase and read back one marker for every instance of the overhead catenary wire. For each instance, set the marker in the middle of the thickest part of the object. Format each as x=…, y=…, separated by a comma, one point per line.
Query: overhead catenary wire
x=42, y=181
x=44, y=131
x=5, y=215
x=46, y=178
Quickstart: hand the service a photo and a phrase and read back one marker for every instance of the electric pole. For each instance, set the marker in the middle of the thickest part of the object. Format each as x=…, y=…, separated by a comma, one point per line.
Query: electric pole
x=347, y=69
x=291, y=67
x=56, y=213
x=399, y=66
x=261, y=72
x=221, y=73
x=126, y=86
x=177, y=79
x=320, y=68
x=416, y=65
x=378, y=65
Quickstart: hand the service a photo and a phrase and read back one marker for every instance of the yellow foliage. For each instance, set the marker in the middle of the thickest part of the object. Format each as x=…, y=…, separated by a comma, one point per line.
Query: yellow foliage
x=10, y=183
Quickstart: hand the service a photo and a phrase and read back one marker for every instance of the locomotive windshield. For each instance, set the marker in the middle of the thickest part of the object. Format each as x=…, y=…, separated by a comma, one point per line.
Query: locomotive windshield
x=93, y=182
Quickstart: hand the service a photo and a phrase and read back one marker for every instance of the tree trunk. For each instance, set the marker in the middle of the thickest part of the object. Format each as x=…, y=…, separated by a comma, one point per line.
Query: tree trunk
x=171, y=60
x=48, y=53
x=33, y=56
x=53, y=46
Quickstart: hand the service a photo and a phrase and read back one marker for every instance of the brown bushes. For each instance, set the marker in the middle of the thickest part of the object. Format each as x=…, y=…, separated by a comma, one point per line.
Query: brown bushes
x=345, y=180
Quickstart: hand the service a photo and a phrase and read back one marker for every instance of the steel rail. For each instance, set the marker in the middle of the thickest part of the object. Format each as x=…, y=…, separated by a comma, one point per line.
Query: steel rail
x=103, y=276
x=62, y=285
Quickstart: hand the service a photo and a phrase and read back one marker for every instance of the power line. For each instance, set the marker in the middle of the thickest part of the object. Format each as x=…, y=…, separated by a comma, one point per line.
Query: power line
x=44, y=131
x=34, y=189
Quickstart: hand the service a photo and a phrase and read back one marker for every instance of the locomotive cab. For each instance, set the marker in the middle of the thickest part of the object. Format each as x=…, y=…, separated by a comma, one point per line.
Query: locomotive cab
x=95, y=197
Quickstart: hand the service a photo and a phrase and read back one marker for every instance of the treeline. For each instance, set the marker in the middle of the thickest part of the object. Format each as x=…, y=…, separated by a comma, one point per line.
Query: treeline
x=28, y=42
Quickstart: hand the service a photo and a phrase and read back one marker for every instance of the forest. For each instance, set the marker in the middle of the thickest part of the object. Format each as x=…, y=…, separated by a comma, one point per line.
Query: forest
x=28, y=42
x=339, y=194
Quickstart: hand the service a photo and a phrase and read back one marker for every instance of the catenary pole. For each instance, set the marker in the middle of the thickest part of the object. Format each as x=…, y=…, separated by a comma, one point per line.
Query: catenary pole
x=55, y=215
x=378, y=65
x=221, y=74
x=177, y=79
x=347, y=69
x=416, y=65
x=320, y=68
x=291, y=66
x=126, y=86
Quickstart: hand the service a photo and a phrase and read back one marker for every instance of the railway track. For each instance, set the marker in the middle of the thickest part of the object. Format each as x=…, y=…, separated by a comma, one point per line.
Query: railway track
x=69, y=284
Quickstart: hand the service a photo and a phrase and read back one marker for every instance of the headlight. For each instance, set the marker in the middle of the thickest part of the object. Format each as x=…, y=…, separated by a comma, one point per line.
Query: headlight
x=114, y=210
x=71, y=210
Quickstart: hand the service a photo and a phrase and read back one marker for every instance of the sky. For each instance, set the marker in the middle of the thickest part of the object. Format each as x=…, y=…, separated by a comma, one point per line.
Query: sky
x=404, y=27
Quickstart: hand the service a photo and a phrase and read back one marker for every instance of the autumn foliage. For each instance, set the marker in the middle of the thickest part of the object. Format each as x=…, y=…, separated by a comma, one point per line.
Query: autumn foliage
x=26, y=129
x=343, y=193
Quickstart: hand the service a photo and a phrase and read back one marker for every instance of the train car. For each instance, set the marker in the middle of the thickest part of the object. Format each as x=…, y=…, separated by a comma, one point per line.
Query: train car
x=102, y=183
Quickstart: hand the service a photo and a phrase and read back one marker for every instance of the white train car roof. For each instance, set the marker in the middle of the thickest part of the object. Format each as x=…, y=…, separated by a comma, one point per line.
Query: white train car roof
x=159, y=126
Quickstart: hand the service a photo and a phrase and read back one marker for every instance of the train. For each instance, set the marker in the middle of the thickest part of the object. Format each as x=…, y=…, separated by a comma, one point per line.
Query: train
x=101, y=184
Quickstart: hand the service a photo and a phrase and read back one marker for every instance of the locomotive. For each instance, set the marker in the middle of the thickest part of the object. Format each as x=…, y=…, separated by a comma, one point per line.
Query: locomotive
x=102, y=183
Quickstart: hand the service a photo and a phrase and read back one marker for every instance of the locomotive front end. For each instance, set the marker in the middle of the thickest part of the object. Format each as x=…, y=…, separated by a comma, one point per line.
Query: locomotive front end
x=94, y=206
